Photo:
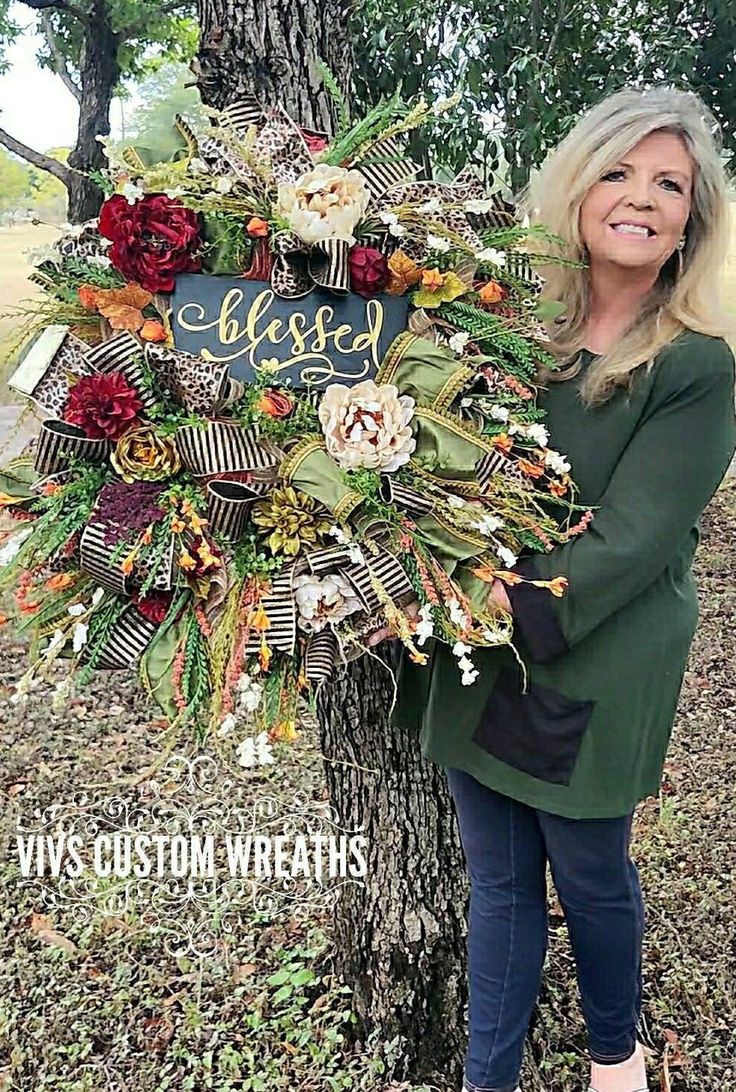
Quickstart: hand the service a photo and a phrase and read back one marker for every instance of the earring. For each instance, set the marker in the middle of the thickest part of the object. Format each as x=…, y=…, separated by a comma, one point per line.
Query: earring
x=680, y=260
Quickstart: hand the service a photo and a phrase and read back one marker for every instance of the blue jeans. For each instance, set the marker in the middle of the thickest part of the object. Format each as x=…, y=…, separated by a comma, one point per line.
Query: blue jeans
x=507, y=845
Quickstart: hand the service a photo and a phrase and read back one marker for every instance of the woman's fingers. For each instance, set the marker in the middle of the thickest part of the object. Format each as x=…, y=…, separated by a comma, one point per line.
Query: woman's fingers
x=379, y=635
x=386, y=632
x=497, y=596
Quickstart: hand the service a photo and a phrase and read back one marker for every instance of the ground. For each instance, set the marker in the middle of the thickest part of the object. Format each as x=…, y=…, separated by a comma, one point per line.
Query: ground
x=104, y=1007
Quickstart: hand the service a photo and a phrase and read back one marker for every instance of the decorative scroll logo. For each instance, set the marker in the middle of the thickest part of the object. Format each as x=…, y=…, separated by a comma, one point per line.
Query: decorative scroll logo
x=320, y=339
x=189, y=859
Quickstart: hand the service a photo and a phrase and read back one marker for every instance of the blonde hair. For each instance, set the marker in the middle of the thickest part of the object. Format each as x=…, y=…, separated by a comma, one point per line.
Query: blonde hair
x=692, y=300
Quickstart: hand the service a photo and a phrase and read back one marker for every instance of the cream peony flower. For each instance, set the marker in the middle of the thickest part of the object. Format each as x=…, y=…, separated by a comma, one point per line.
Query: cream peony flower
x=325, y=203
x=367, y=425
x=323, y=600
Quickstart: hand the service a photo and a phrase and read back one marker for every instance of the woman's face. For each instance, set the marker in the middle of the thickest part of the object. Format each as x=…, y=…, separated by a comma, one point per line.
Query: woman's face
x=651, y=192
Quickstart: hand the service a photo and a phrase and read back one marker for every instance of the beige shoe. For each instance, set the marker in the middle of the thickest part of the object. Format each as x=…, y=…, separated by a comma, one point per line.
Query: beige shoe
x=626, y=1076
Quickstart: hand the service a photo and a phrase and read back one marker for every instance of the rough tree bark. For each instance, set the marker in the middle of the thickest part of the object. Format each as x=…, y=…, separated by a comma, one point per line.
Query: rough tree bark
x=271, y=46
x=399, y=940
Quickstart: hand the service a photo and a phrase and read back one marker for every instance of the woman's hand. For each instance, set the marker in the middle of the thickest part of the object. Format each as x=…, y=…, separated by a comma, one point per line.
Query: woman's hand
x=386, y=632
x=498, y=596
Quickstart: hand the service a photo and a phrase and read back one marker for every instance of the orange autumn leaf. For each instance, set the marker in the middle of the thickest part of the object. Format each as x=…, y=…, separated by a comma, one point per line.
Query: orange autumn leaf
x=491, y=292
x=122, y=307
x=403, y=273
x=88, y=297
x=3, y=619
x=121, y=317
x=131, y=295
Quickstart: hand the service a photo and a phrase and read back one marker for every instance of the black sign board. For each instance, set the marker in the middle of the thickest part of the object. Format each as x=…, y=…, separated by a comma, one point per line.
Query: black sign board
x=319, y=339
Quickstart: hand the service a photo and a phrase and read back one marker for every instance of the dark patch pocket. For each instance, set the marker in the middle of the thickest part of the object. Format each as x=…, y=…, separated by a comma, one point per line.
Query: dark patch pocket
x=538, y=732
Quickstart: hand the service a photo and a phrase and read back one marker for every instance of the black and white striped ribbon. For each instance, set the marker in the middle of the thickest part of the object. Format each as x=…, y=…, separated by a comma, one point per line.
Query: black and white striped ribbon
x=518, y=265
x=328, y=560
x=328, y=264
x=221, y=447
x=389, y=571
x=243, y=113
x=384, y=568
x=58, y=442
x=96, y=559
x=379, y=176
x=490, y=464
x=280, y=609
x=404, y=497
x=382, y=241
x=228, y=506
x=123, y=354
x=128, y=639
x=320, y=656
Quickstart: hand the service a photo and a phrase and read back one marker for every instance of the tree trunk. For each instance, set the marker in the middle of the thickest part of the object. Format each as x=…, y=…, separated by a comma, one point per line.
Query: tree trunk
x=400, y=939
x=271, y=48
x=99, y=73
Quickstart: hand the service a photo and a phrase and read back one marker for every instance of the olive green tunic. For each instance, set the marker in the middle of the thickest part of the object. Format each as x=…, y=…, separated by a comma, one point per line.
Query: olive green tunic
x=588, y=737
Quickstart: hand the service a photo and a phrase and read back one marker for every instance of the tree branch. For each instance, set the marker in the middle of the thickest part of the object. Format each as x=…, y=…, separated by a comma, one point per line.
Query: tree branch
x=60, y=5
x=37, y=159
x=132, y=30
x=60, y=67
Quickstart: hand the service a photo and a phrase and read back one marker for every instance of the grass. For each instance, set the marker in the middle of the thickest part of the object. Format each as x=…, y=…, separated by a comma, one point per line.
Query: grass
x=15, y=268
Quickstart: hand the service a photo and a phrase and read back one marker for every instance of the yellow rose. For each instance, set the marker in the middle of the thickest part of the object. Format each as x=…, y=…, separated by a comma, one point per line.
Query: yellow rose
x=142, y=454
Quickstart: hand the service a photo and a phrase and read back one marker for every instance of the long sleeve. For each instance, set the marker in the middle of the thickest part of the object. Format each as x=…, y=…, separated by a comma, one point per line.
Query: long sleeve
x=669, y=470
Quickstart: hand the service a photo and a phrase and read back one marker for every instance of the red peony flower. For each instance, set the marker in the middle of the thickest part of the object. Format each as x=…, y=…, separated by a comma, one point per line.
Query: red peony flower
x=154, y=606
x=153, y=239
x=369, y=271
x=104, y=406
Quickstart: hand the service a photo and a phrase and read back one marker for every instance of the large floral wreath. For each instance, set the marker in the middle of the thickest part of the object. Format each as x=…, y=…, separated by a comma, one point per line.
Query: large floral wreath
x=234, y=540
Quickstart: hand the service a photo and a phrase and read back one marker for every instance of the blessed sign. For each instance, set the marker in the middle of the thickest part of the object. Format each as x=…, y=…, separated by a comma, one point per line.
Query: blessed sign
x=318, y=339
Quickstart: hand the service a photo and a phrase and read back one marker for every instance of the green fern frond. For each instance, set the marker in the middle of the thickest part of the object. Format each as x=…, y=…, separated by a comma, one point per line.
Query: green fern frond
x=335, y=93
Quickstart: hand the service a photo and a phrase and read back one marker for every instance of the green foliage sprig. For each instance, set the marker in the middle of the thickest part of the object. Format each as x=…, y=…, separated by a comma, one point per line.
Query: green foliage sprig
x=63, y=514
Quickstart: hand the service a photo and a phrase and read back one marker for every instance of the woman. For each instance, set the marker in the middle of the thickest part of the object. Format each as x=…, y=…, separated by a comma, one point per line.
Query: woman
x=645, y=415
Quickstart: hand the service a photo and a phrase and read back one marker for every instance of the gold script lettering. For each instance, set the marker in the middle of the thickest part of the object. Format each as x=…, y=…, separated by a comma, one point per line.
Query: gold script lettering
x=309, y=342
